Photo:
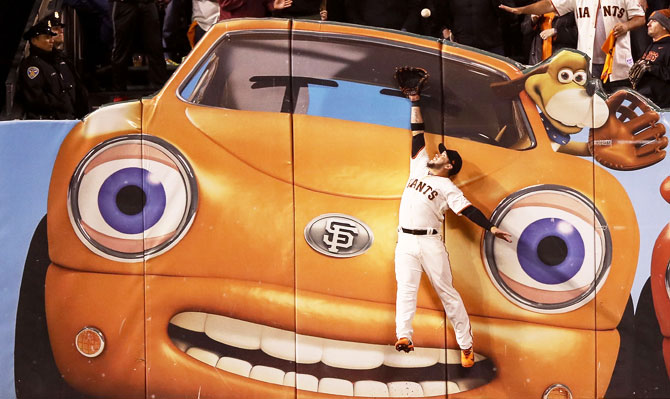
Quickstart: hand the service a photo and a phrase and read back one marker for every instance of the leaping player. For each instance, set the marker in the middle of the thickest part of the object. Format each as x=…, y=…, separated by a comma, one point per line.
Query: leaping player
x=429, y=193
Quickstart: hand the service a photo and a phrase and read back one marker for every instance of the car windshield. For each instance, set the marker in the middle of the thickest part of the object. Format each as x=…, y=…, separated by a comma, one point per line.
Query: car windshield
x=351, y=78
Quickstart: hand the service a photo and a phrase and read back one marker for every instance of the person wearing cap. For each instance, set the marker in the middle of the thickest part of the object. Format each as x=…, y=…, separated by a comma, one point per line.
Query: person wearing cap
x=428, y=194
x=57, y=27
x=650, y=75
x=42, y=90
x=603, y=27
x=134, y=19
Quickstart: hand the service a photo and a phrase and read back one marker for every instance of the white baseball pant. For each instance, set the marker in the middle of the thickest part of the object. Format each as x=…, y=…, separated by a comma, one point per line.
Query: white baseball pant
x=414, y=253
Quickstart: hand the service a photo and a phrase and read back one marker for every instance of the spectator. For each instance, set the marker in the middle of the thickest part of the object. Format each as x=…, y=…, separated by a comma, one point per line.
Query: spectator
x=46, y=89
x=95, y=18
x=205, y=13
x=128, y=17
x=475, y=23
x=595, y=22
x=393, y=14
x=176, y=23
x=651, y=74
x=56, y=22
x=304, y=9
x=550, y=34
x=250, y=8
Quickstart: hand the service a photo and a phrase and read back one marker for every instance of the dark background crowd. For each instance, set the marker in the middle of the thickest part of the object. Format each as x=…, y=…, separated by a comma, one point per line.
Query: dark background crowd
x=127, y=48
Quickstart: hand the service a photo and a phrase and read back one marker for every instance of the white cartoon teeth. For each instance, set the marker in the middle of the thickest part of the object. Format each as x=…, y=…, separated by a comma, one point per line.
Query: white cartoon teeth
x=278, y=343
x=421, y=357
x=203, y=355
x=233, y=332
x=352, y=355
x=335, y=386
x=267, y=374
x=434, y=388
x=304, y=382
x=193, y=321
x=371, y=389
x=310, y=350
x=235, y=366
x=405, y=389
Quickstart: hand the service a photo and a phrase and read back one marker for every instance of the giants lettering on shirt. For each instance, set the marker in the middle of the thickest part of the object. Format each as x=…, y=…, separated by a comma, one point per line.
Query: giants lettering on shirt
x=608, y=11
x=423, y=188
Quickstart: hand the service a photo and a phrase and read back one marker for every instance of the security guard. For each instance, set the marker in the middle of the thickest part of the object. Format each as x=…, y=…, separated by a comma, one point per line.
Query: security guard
x=66, y=67
x=46, y=83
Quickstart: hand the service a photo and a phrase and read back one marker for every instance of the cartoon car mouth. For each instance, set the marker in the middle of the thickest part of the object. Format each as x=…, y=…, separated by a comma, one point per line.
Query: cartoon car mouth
x=323, y=365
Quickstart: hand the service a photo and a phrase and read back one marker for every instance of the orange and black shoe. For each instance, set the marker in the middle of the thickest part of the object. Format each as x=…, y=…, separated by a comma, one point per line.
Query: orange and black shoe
x=467, y=357
x=404, y=344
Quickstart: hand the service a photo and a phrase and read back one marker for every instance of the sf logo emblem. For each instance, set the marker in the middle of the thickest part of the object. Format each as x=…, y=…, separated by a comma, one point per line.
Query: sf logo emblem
x=338, y=235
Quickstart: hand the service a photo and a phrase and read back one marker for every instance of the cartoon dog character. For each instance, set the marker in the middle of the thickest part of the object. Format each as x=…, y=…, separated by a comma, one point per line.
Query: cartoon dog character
x=570, y=101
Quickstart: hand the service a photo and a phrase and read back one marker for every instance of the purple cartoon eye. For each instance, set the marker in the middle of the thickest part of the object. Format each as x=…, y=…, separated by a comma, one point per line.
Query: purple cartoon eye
x=559, y=259
x=551, y=251
x=131, y=201
x=132, y=197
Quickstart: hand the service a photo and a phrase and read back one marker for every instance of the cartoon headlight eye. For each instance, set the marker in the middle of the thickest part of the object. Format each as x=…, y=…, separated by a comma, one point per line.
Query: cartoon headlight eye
x=580, y=77
x=132, y=197
x=565, y=75
x=561, y=255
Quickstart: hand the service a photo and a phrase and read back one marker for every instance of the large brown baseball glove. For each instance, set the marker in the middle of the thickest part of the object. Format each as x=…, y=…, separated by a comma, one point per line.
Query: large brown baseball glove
x=632, y=140
x=411, y=79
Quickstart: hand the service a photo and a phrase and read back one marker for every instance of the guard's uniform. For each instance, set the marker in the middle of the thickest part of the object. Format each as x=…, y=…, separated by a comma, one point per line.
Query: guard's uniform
x=587, y=13
x=420, y=246
x=43, y=90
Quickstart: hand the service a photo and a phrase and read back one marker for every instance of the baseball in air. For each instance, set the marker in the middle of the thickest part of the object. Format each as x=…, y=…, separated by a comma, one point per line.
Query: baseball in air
x=425, y=13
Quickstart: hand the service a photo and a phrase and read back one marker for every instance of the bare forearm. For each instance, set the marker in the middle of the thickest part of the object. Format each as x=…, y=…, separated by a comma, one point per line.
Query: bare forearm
x=539, y=8
x=415, y=118
x=635, y=22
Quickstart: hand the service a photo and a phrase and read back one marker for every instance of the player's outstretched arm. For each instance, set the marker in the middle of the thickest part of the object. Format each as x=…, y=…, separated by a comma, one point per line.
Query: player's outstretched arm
x=476, y=216
x=501, y=234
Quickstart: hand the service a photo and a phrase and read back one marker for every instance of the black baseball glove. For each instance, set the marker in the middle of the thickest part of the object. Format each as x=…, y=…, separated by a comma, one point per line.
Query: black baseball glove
x=411, y=79
x=637, y=70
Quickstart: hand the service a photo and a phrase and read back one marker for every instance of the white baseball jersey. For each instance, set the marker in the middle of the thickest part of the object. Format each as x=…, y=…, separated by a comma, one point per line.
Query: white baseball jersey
x=426, y=198
x=422, y=206
x=613, y=12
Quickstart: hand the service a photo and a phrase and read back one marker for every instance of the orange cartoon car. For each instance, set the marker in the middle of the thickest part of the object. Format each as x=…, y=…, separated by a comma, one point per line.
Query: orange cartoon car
x=233, y=236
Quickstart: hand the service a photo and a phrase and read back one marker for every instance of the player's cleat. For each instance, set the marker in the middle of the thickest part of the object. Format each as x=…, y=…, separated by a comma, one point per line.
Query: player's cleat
x=404, y=344
x=467, y=357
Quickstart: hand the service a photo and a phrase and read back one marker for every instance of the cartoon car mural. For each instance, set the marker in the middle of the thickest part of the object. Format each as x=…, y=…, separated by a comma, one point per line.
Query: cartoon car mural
x=233, y=235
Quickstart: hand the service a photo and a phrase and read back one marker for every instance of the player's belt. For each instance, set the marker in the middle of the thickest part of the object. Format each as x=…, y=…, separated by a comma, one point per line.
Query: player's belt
x=419, y=232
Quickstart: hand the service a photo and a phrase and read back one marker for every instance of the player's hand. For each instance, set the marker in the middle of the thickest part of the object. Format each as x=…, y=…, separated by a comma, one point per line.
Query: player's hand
x=513, y=10
x=547, y=33
x=633, y=140
x=501, y=234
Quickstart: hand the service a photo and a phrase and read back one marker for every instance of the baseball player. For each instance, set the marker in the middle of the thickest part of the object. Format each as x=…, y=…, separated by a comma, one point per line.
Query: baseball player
x=596, y=19
x=429, y=193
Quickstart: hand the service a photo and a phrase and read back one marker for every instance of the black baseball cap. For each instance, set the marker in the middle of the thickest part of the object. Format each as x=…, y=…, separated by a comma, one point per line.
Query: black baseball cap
x=454, y=159
x=40, y=28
